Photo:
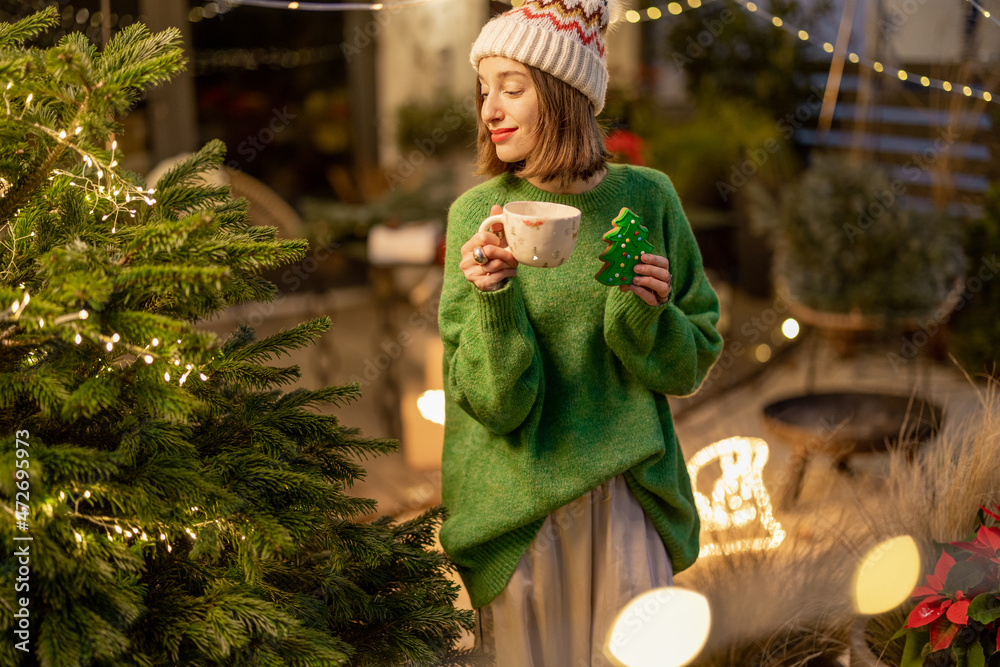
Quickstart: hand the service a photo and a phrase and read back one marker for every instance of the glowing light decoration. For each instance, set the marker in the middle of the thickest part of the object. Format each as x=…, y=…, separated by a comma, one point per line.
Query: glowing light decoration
x=431, y=405
x=739, y=503
x=790, y=328
x=886, y=575
x=664, y=627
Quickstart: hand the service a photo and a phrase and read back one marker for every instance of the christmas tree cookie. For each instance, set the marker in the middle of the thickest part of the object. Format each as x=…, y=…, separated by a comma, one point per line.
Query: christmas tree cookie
x=628, y=244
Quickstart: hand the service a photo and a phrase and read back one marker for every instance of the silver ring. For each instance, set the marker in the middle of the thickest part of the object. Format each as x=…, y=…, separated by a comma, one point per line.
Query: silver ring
x=479, y=255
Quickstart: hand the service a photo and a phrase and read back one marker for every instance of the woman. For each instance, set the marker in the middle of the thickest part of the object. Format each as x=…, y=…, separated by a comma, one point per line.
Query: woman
x=566, y=488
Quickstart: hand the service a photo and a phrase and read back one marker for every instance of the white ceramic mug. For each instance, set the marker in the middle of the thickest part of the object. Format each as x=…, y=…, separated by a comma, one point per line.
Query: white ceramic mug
x=538, y=233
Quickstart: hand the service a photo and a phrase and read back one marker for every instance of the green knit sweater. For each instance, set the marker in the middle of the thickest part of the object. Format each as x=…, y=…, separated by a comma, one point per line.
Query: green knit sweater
x=556, y=383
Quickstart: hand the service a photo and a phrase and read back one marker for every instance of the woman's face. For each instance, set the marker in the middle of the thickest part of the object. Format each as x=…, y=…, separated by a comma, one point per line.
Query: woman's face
x=510, y=107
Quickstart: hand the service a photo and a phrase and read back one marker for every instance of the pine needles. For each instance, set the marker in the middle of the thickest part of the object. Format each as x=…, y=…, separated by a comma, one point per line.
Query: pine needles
x=183, y=507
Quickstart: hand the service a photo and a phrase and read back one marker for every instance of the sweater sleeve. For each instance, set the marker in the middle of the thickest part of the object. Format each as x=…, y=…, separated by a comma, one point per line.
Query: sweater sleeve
x=669, y=348
x=493, y=369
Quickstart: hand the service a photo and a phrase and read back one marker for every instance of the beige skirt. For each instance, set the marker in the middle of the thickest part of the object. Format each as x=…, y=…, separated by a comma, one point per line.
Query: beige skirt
x=588, y=560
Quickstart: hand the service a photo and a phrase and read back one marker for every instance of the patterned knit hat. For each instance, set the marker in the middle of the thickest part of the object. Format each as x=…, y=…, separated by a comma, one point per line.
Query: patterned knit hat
x=562, y=37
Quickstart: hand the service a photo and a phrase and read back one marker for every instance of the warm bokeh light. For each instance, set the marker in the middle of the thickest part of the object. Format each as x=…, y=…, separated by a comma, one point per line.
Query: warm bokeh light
x=431, y=405
x=790, y=328
x=886, y=575
x=633, y=16
x=654, y=13
x=763, y=353
x=664, y=627
x=675, y=8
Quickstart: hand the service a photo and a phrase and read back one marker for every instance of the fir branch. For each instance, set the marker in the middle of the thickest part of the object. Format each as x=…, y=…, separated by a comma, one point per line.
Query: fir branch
x=302, y=397
x=15, y=34
x=26, y=187
x=297, y=337
x=188, y=170
x=134, y=58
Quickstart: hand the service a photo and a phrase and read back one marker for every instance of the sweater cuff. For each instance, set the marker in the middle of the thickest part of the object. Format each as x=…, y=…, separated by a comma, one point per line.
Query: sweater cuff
x=630, y=310
x=501, y=310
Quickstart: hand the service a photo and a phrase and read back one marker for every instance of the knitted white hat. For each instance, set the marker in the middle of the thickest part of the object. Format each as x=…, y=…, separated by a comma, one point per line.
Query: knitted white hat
x=562, y=37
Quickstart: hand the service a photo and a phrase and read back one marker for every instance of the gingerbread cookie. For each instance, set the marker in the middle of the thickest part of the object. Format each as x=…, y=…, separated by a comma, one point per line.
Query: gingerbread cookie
x=627, y=239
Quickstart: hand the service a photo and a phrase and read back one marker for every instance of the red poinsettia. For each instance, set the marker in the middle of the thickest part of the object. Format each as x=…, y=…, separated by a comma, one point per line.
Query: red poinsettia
x=959, y=606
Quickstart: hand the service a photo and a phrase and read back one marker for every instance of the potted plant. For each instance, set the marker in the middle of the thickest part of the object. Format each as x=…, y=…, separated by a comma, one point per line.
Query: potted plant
x=947, y=498
x=849, y=255
x=954, y=617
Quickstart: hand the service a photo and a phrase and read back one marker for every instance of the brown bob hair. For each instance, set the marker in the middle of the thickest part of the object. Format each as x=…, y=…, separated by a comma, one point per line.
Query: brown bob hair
x=570, y=142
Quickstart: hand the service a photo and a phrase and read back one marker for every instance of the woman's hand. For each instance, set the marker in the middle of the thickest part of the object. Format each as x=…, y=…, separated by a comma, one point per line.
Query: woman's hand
x=652, y=280
x=499, y=261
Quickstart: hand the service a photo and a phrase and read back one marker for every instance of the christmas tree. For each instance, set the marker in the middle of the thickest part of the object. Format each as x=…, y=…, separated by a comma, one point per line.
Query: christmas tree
x=626, y=245
x=167, y=501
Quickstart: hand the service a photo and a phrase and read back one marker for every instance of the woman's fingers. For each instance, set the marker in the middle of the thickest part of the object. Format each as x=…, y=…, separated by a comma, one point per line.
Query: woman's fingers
x=652, y=282
x=486, y=261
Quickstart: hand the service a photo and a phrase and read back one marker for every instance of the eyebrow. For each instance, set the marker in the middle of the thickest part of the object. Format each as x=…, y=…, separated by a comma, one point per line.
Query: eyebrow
x=506, y=75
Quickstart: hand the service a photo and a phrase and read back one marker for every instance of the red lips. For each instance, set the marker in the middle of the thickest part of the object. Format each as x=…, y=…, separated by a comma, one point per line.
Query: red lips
x=502, y=133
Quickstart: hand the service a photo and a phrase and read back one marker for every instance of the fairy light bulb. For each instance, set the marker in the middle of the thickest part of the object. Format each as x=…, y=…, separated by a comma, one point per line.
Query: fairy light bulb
x=202, y=377
x=27, y=100
x=62, y=135
x=156, y=341
x=62, y=496
x=79, y=538
x=162, y=536
x=110, y=346
x=86, y=494
x=115, y=338
x=78, y=130
x=118, y=529
x=148, y=358
x=166, y=376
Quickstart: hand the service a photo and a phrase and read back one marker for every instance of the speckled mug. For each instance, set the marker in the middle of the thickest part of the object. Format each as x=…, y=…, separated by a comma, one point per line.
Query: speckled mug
x=538, y=233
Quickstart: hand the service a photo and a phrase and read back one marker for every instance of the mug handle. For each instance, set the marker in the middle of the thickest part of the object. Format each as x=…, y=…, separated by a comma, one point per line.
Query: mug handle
x=488, y=224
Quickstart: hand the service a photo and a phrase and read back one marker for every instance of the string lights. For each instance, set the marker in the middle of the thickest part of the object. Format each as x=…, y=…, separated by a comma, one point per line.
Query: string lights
x=676, y=8
x=321, y=6
x=877, y=66
x=115, y=526
x=985, y=12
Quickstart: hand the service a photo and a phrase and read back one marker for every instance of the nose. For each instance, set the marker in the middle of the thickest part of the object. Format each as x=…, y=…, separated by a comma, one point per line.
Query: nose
x=492, y=110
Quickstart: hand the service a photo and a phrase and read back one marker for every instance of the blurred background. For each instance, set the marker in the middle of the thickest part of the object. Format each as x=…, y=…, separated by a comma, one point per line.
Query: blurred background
x=838, y=161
